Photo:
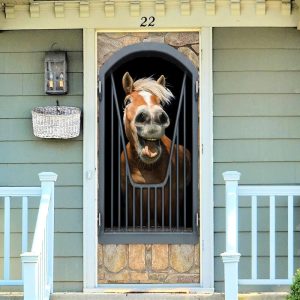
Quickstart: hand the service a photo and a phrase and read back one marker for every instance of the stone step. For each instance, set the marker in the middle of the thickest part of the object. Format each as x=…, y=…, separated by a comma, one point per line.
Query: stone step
x=148, y=296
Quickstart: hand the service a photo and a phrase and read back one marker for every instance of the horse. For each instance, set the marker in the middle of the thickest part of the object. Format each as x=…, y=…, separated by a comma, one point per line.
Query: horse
x=148, y=154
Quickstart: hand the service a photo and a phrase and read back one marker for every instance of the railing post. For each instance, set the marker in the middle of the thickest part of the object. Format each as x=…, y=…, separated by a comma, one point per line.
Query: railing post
x=30, y=275
x=47, y=181
x=231, y=256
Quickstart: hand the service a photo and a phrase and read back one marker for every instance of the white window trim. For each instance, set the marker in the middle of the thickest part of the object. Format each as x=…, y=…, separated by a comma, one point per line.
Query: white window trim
x=90, y=183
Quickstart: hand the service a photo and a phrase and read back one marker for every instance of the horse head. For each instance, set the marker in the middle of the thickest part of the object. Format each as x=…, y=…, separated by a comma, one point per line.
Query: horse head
x=145, y=120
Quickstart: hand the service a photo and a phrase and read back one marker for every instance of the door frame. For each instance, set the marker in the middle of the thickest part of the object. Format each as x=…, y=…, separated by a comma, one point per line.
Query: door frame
x=90, y=162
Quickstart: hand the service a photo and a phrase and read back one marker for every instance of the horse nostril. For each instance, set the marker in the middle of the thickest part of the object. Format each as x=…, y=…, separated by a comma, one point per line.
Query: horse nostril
x=141, y=117
x=163, y=118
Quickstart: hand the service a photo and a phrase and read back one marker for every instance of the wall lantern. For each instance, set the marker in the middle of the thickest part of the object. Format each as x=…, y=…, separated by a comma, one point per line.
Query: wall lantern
x=56, y=73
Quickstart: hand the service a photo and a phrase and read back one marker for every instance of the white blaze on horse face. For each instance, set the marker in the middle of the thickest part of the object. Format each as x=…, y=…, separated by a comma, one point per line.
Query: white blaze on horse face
x=152, y=106
x=147, y=97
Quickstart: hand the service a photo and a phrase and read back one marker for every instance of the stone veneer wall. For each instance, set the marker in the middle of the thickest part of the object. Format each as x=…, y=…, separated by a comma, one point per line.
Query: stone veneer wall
x=148, y=263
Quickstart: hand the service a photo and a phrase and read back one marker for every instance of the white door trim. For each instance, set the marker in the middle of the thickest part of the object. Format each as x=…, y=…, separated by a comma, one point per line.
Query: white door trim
x=90, y=183
x=206, y=160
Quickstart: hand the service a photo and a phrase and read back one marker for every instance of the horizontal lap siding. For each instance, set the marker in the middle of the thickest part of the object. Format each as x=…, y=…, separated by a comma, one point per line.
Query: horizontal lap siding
x=256, y=132
x=23, y=155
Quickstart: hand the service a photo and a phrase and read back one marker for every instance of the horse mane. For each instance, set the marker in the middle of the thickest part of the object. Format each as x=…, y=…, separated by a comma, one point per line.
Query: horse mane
x=152, y=86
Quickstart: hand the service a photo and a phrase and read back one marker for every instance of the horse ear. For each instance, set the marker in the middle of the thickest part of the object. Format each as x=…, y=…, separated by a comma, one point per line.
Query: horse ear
x=162, y=80
x=127, y=83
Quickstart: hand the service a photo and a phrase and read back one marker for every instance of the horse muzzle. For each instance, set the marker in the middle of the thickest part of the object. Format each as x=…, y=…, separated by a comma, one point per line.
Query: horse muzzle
x=150, y=128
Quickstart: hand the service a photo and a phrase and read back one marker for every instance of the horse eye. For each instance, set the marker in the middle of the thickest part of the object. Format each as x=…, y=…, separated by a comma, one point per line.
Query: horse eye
x=127, y=101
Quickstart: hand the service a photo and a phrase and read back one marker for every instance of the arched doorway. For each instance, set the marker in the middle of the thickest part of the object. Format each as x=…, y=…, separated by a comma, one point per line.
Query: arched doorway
x=117, y=231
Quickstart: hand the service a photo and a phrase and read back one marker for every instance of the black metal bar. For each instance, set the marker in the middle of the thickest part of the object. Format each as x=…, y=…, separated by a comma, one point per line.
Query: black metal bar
x=163, y=208
x=148, y=210
x=170, y=197
x=133, y=208
x=177, y=180
x=176, y=125
x=155, y=208
x=119, y=174
x=126, y=202
x=112, y=164
x=141, y=208
x=184, y=158
x=124, y=147
x=122, y=130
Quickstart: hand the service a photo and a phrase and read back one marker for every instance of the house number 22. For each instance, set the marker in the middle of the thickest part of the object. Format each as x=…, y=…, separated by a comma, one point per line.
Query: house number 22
x=147, y=22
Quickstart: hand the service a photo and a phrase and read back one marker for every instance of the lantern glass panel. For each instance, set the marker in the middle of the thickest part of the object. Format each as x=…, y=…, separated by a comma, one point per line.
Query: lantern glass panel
x=56, y=73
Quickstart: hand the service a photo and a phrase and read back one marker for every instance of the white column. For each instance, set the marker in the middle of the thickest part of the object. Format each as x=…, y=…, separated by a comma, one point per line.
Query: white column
x=231, y=257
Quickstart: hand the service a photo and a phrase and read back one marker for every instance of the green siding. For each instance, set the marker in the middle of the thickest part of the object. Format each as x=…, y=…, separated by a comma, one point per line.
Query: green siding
x=256, y=132
x=16, y=107
x=33, y=62
x=256, y=105
x=23, y=155
x=267, y=127
x=257, y=60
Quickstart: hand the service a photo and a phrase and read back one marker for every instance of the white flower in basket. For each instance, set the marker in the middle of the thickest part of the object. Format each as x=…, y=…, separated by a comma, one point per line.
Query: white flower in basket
x=56, y=122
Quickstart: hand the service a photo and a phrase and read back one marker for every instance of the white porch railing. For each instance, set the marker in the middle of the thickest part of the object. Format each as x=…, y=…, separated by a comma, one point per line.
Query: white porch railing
x=37, y=265
x=231, y=256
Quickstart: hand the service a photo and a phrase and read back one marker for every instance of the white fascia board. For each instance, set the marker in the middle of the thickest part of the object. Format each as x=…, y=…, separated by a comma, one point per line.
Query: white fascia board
x=70, y=16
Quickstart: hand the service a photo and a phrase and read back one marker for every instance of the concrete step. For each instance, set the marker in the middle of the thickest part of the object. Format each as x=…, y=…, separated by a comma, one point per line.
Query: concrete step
x=136, y=296
x=148, y=296
x=11, y=296
x=164, y=296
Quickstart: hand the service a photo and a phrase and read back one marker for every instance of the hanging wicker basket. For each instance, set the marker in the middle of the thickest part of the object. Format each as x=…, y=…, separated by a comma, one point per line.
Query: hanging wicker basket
x=56, y=122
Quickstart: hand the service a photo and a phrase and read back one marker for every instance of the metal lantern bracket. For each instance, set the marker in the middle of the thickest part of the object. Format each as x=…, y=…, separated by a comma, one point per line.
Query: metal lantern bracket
x=56, y=73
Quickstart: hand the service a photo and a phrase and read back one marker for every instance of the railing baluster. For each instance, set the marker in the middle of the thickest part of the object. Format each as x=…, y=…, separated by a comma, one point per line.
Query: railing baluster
x=272, y=238
x=40, y=272
x=45, y=265
x=6, y=273
x=254, y=237
x=43, y=268
x=290, y=237
x=24, y=224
